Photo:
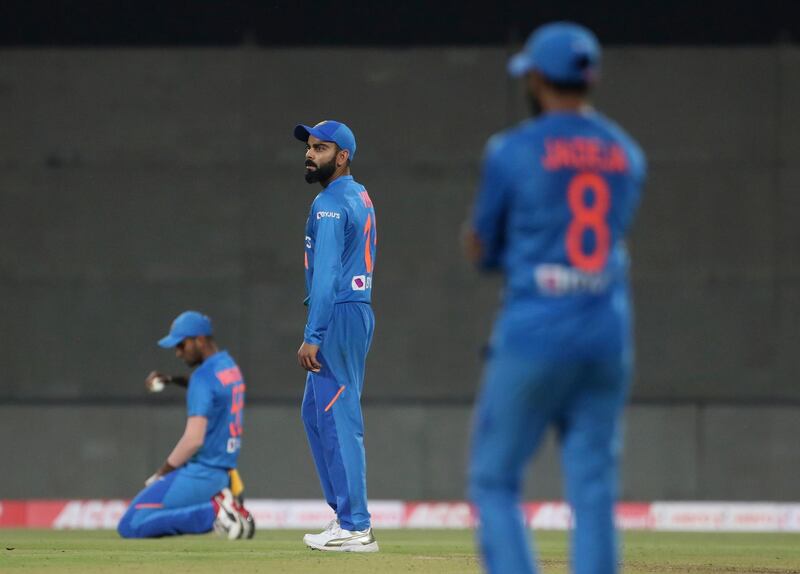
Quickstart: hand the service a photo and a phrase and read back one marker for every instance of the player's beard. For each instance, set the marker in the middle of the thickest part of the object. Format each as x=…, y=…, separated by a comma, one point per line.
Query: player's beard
x=322, y=172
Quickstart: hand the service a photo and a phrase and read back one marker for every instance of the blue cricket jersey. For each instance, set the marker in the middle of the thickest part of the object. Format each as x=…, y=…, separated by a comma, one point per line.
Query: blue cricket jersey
x=556, y=200
x=216, y=391
x=341, y=237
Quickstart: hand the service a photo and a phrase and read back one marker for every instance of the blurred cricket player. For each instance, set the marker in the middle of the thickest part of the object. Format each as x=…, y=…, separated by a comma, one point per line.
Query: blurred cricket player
x=190, y=493
x=339, y=260
x=557, y=196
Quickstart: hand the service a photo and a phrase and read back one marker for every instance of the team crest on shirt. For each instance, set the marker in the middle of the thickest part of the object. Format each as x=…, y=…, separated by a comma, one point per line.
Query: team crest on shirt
x=361, y=283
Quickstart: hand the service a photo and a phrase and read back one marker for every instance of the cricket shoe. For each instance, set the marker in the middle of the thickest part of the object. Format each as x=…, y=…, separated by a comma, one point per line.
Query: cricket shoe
x=337, y=539
x=228, y=523
x=332, y=525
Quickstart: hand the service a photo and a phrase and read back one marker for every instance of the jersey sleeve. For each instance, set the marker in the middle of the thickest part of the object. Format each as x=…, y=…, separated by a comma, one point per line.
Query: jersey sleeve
x=639, y=163
x=491, y=205
x=199, y=397
x=329, y=220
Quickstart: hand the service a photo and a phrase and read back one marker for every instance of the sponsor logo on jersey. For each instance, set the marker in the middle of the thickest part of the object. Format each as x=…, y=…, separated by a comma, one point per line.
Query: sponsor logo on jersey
x=330, y=214
x=361, y=283
x=308, y=242
x=557, y=280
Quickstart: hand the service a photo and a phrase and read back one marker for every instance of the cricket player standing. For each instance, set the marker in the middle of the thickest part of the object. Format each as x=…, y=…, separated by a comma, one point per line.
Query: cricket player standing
x=339, y=261
x=189, y=493
x=557, y=197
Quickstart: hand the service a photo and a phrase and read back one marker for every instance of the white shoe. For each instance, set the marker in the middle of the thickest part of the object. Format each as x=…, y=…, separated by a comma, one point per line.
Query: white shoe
x=228, y=522
x=338, y=539
x=332, y=526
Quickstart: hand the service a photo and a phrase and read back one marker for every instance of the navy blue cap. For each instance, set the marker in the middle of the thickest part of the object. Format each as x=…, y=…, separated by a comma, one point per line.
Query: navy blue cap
x=329, y=131
x=563, y=52
x=187, y=324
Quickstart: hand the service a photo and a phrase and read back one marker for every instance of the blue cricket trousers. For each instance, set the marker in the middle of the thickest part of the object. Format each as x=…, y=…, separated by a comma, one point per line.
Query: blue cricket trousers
x=331, y=413
x=178, y=503
x=519, y=400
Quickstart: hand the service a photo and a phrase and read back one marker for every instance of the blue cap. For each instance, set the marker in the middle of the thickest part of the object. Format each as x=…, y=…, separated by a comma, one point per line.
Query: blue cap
x=329, y=131
x=187, y=324
x=563, y=52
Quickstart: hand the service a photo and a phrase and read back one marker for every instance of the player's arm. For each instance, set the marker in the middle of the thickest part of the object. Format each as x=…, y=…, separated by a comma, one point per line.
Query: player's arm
x=200, y=405
x=155, y=381
x=179, y=380
x=484, y=235
x=191, y=441
x=193, y=436
x=328, y=248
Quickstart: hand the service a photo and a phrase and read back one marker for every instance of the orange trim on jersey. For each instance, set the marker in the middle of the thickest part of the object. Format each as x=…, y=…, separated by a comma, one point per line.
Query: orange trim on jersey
x=334, y=399
x=367, y=252
x=149, y=505
x=306, y=258
x=365, y=199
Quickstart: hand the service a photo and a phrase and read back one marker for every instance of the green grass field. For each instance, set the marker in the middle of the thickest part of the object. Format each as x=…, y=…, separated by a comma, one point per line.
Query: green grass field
x=402, y=551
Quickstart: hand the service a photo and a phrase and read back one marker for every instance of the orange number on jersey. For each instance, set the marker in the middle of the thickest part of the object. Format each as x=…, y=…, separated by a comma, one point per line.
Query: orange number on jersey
x=369, y=245
x=588, y=217
x=237, y=406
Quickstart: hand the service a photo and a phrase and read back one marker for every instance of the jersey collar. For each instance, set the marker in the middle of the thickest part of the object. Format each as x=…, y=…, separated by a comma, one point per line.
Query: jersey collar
x=341, y=178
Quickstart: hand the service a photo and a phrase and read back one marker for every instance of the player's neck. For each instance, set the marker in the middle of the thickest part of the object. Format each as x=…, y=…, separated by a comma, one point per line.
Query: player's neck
x=209, y=350
x=567, y=104
x=341, y=171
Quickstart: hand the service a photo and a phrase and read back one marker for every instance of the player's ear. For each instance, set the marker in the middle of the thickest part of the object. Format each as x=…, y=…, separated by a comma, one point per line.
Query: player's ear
x=342, y=157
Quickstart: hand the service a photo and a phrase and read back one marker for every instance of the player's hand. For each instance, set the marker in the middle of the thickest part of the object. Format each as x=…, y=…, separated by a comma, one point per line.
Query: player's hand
x=307, y=357
x=154, y=477
x=165, y=469
x=155, y=381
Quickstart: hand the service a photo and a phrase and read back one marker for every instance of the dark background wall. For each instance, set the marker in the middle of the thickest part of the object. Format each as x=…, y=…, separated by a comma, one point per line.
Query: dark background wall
x=136, y=183
x=369, y=23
